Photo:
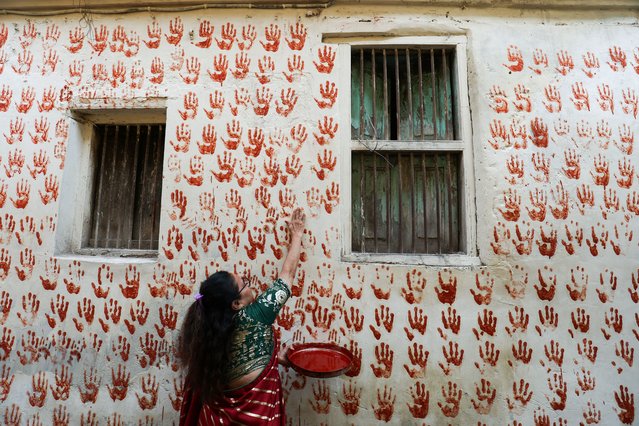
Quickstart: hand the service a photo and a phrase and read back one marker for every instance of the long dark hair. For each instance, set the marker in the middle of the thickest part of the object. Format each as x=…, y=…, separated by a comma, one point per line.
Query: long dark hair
x=205, y=338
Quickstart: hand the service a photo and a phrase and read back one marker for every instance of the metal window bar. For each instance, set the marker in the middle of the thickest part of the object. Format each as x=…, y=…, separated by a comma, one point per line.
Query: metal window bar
x=417, y=180
x=421, y=93
x=407, y=98
x=117, y=217
x=389, y=196
x=144, y=183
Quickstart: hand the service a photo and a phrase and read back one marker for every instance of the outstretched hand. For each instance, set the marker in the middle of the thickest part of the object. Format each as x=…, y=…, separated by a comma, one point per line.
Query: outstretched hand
x=296, y=223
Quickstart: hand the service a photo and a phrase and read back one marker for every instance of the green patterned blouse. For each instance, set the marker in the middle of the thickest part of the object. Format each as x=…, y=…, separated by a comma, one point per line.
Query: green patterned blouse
x=253, y=342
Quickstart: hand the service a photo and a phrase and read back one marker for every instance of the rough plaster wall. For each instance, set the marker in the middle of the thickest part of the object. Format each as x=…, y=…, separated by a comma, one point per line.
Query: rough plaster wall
x=544, y=333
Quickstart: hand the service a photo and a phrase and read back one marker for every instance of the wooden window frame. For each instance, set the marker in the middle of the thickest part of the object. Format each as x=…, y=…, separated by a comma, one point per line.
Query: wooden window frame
x=463, y=144
x=77, y=192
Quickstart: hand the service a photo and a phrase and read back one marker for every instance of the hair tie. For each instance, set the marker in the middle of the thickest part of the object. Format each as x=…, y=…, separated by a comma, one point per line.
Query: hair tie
x=198, y=296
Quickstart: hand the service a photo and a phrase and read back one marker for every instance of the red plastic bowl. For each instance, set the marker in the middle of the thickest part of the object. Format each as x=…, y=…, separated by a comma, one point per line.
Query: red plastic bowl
x=320, y=360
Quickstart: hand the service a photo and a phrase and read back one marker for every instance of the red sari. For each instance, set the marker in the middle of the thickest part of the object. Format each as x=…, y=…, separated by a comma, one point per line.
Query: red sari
x=259, y=402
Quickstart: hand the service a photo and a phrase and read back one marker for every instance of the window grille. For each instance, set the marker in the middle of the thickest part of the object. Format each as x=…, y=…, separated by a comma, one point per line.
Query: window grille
x=406, y=166
x=127, y=186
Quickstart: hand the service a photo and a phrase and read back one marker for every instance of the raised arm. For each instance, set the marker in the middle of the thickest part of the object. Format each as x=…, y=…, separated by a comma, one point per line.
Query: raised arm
x=296, y=227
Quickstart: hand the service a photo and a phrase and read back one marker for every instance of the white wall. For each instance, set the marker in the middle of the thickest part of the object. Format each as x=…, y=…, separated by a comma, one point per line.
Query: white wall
x=550, y=269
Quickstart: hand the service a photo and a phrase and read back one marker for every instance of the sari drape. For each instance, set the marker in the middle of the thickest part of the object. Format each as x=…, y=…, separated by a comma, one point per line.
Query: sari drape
x=258, y=403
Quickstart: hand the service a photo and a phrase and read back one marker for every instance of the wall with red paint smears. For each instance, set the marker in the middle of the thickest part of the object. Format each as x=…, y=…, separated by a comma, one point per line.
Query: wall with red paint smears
x=257, y=107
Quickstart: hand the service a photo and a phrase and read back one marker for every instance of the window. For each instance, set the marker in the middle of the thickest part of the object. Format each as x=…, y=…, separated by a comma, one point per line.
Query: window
x=127, y=186
x=110, y=199
x=411, y=166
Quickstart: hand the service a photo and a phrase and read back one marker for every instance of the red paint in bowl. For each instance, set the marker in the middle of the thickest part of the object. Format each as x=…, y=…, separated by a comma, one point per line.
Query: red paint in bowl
x=321, y=360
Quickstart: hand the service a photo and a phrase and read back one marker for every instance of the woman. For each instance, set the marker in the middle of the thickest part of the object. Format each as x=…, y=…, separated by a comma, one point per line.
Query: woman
x=227, y=347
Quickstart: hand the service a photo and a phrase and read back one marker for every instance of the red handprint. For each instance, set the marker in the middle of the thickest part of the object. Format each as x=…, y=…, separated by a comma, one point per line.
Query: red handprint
x=148, y=399
x=573, y=168
x=50, y=61
x=262, y=104
x=626, y=403
x=39, y=384
x=540, y=60
x=384, y=356
x=446, y=290
x=192, y=74
x=59, y=309
x=220, y=68
x=591, y=414
x=112, y=311
x=514, y=58
x=242, y=63
x=453, y=357
x=606, y=98
x=489, y=355
x=321, y=402
x=630, y=103
x=27, y=263
x=521, y=352
x=539, y=133
x=178, y=391
x=591, y=64
x=154, y=31
x=484, y=292
x=4, y=34
x=553, y=98
x=512, y=206
x=176, y=30
x=298, y=36
x=206, y=33
x=499, y=99
x=328, y=93
x=27, y=96
x=16, y=127
x=588, y=350
x=351, y=400
x=298, y=138
x=248, y=37
x=132, y=280
x=618, y=60
x=157, y=71
x=25, y=59
x=326, y=163
x=418, y=357
x=548, y=318
x=487, y=324
x=452, y=398
x=6, y=346
x=485, y=397
x=559, y=389
x=226, y=164
x=272, y=36
x=385, y=404
x=216, y=101
x=580, y=321
x=63, y=381
x=287, y=102
x=228, y=37
x=451, y=321
x=521, y=395
x=295, y=67
x=566, y=63
x=417, y=321
x=580, y=98
x=538, y=202
x=415, y=284
x=6, y=380
x=119, y=383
